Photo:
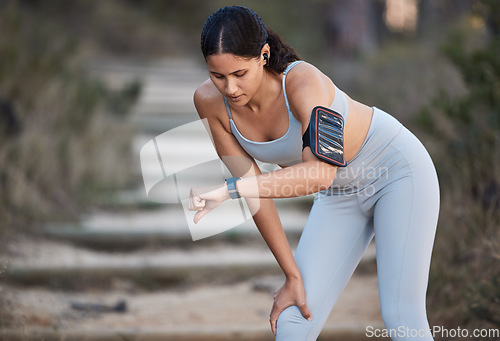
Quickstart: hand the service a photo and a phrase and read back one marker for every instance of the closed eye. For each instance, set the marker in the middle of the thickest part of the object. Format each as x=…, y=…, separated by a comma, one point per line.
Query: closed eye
x=216, y=75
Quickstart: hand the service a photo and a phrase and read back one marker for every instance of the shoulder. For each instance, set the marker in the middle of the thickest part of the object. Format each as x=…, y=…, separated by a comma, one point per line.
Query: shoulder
x=306, y=74
x=307, y=87
x=208, y=100
x=209, y=104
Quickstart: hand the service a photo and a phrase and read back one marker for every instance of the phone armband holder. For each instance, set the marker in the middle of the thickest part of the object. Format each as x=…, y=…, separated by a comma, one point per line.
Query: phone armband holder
x=326, y=134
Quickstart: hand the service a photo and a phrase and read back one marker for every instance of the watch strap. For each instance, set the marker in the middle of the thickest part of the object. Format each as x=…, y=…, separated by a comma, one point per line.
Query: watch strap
x=231, y=187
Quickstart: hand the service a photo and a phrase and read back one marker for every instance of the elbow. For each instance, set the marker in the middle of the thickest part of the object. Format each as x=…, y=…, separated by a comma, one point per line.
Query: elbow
x=324, y=176
x=324, y=184
x=322, y=187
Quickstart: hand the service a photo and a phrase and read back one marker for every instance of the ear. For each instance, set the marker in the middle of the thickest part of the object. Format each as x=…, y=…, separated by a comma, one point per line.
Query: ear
x=265, y=50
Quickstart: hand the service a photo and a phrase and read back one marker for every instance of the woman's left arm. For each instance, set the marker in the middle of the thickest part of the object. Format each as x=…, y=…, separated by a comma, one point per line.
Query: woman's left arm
x=295, y=181
x=298, y=180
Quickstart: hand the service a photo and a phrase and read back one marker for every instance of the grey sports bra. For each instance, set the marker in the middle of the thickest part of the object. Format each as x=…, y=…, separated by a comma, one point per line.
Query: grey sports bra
x=286, y=150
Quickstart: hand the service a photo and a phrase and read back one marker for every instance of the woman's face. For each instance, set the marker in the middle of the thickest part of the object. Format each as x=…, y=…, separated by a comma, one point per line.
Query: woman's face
x=237, y=78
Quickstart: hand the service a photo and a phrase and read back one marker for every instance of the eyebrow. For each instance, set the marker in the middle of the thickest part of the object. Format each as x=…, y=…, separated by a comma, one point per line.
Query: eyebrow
x=232, y=73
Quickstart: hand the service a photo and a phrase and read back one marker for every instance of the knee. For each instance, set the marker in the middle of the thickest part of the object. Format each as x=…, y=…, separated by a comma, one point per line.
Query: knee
x=291, y=325
x=390, y=315
x=407, y=313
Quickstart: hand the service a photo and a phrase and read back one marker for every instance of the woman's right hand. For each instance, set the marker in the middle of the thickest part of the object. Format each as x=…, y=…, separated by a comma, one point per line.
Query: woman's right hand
x=291, y=293
x=205, y=199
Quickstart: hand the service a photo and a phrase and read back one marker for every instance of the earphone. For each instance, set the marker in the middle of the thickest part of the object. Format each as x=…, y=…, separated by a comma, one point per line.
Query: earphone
x=266, y=58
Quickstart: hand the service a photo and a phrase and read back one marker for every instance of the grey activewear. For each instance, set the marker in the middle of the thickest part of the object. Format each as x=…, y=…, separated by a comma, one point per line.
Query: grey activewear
x=286, y=150
x=388, y=190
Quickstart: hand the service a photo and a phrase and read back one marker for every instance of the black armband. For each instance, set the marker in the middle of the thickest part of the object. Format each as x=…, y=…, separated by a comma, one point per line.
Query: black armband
x=325, y=136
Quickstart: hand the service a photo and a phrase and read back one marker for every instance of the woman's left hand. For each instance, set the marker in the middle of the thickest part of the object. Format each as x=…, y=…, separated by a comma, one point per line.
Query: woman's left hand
x=291, y=293
x=205, y=199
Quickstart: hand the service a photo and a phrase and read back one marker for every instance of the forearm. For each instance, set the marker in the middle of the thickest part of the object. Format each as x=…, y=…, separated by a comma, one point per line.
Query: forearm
x=265, y=216
x=268, y=222
x=298, y=180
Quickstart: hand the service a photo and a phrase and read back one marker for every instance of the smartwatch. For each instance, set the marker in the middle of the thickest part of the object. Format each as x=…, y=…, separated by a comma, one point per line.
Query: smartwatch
x=231, y=187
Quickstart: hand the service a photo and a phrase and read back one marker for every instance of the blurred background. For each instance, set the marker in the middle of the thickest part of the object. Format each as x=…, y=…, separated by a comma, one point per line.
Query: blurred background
x=84, y=255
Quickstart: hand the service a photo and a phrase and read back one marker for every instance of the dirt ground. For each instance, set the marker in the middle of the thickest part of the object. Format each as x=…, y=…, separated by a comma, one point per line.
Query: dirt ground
x=217, y=306
x=188, y=305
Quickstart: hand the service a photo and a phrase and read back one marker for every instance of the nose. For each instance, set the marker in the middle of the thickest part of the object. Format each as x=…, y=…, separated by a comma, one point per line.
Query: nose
x=231, y=87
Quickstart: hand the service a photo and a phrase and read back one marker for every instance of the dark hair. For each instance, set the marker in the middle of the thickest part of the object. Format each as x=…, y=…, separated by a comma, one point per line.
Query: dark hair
x=240, y=31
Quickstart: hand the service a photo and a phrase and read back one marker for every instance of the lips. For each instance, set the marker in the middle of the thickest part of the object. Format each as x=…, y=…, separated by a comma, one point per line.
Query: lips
x=235, y=98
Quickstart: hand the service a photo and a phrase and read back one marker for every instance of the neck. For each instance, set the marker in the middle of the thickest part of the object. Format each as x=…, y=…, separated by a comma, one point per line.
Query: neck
x=268, y=91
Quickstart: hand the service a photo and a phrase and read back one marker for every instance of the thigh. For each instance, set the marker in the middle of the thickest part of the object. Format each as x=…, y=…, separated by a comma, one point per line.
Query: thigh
x=405, y=220
x=334, y=239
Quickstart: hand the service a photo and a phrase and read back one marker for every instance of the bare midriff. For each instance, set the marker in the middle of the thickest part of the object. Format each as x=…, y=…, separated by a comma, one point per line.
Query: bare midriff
x=356, y=128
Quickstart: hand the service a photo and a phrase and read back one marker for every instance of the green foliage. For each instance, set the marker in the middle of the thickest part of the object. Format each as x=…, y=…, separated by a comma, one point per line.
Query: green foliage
x=484, y=302
x=63, y=138
x=465, y=275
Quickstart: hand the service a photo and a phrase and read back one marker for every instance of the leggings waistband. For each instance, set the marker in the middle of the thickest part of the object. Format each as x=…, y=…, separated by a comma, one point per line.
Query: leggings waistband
x=373, y=158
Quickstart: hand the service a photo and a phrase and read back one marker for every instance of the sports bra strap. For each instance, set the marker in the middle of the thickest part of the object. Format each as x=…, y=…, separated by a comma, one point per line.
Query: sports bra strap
x=228, y=110
x=289, y=67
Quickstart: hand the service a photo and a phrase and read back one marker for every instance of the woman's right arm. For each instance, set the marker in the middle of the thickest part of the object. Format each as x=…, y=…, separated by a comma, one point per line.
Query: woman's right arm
x=210, y=106
x=208, y=103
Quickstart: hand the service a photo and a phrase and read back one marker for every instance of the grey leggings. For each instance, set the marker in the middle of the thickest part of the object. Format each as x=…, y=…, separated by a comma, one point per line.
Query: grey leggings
x=390, y=190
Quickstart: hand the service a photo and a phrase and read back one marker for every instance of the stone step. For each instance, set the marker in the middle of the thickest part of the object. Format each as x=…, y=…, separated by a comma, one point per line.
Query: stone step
x=170, y=74
x=63, y=266
x=168, y=86
x=56, y=263
x=102, y=275
x=159, y=118
x=179, y=147
x=163, y=91
x=170, y=224
x=176, y=69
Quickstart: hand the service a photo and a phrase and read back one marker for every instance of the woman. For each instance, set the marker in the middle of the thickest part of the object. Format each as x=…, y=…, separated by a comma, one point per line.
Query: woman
x=258, y=103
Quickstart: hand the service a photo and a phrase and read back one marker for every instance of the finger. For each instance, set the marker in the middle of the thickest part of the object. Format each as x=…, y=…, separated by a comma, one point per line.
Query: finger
x=193, y=203
x=199, y=202
x=196, y=204
x=200, y=205
x=273, y=319
x=191, y=200
x=199, y=215
x=277, y=292
x=305, y=311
